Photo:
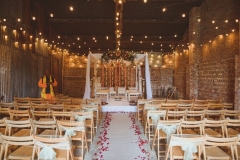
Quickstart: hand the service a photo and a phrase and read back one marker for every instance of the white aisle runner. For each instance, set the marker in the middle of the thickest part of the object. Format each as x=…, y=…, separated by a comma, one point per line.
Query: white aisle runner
x=120, y=138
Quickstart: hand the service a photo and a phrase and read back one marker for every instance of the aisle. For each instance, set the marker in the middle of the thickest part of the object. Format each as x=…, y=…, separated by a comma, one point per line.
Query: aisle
x=120, y=137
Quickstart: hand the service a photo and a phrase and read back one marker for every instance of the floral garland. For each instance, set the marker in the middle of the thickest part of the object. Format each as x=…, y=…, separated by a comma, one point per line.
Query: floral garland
x=118, y=55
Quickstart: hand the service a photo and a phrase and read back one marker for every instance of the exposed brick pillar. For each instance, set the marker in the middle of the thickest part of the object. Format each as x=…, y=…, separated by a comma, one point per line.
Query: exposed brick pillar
x=194, y=53
x=237, y=77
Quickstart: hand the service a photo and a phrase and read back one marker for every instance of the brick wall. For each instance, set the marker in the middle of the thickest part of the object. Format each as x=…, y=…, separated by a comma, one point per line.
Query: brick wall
x=211, y=53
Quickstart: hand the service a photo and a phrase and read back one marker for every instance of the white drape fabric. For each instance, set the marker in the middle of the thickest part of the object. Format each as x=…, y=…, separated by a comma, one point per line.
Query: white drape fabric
x=189, y=148
x=82, y=117
x=139, y=79
x=47, y=152
x=72, y=131
x=96, y=56
x=148, y=79
x=168, y=129
x=87, y=84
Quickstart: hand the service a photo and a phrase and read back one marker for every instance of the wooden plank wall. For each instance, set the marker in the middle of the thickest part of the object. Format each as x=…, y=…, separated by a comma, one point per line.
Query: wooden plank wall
x=20, y=72
x=24, y=55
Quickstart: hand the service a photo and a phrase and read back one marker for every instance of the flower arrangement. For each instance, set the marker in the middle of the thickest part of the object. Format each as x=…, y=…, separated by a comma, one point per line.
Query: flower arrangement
x=120, y=55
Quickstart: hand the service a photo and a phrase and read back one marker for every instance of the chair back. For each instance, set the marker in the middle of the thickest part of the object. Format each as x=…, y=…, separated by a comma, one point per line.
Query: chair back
x=191, y=146
x=47, y=146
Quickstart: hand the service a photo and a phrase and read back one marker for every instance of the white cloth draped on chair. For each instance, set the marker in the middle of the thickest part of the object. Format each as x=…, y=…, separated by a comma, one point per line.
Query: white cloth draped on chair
x=71, y=131
x=47, y=152
x=189, y=147
x=96, y=56
x=82, y=117
x=168, y=129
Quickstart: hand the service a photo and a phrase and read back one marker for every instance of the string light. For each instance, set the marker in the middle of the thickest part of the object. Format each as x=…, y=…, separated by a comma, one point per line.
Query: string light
x=183, y=15
x=164, y=9
x=33, y=18
x=71, y=8
x=51, y=15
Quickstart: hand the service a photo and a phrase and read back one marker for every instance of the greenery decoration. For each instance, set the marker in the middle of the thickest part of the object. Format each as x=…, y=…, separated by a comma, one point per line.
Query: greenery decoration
x=119, y=55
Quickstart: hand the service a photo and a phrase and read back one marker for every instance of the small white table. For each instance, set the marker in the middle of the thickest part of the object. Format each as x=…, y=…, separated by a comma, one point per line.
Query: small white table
x=102, y=93
x=132, y=93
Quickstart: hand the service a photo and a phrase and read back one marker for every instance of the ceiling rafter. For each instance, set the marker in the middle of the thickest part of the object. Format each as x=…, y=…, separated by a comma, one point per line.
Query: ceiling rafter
x=152, y=21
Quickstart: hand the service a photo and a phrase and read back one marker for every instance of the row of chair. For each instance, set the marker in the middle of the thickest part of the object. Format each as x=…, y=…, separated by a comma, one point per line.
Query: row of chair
x=76, y=129
x=56, y=100
x=142, y=106
x=189, y=147
x=187, y=100
x=163, y=129
x=51, y=107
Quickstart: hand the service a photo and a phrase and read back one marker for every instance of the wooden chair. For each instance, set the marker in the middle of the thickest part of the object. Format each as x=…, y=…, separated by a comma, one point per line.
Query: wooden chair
x=45, y=127
x=22, y=106
x=195, y=115
x=232, y=128
x=64, y=101
x=88, y=117
x=158, y=101
x=77, y=132
x=97, y=102
x=77, y=101
x=213, y=145
x=2, y=127
x=176, y=115
x=214, y=128
x=186, y=101
x=39, y=107
x=147, y=107
x=36, y=100
x=21, y=100
x=61, y=146
x=140, y=106
x=18, y=128
x=192, y=127
x=163, y=132
x=184, y=106
x=4, y=109
x=199, y=106
x=112, y=92
x=95, y=109
x=215, y=106
x=172, y=101
x=59, y=115
x=121, y=91
x=72, y=107
x=19, y=114
x=42, y=115
x=232, y=114
x=214, y=114
x=168, y=106
x=228, y=106
x=55, y=107
x=23, y=145
x=215, y=101
x=179, y=147
x=198, y=101
x=4, y=112
x=152, y=119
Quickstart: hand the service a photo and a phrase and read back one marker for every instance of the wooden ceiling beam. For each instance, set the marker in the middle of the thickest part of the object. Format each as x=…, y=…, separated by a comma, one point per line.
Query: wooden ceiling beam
x=167, y=1
x=152, y=21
